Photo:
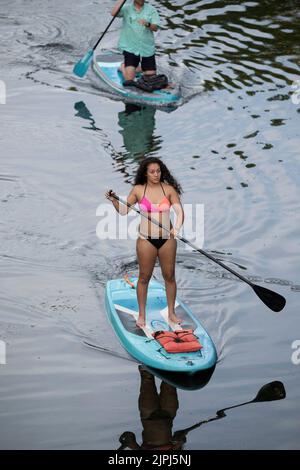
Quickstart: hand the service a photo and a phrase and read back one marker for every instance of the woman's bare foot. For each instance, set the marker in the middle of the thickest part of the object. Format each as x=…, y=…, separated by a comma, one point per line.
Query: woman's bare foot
x=141, y=322
x=174, y=319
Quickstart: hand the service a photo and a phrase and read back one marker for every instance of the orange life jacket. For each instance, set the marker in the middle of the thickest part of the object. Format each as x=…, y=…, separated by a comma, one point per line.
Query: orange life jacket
x=178, y=341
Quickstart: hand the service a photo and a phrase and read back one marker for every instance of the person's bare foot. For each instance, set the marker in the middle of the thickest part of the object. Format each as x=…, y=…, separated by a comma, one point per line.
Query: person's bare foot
x=141, y=322
x=174, y=319
x=121, y=68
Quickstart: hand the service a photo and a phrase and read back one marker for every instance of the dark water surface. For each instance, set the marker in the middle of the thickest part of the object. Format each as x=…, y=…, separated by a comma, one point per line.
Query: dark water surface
x=234, y=146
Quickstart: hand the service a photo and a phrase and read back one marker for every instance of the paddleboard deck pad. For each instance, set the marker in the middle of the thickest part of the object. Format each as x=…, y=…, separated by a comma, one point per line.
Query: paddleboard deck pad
x=106, y=66
x=122, y=310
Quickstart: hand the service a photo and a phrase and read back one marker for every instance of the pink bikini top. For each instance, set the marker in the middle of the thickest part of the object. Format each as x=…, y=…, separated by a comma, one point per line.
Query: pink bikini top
x=147, y=205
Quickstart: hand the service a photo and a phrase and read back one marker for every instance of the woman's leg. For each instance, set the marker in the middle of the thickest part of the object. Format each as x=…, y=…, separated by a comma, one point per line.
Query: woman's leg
x=167, y=257
x=146, y=254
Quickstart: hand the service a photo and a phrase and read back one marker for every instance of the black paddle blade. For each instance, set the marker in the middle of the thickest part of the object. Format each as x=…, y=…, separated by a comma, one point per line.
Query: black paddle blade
x=274, y=301
x=271, y=391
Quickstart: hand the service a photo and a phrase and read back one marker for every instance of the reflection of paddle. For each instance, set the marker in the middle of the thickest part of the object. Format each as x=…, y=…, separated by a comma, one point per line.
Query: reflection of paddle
x=269, y=392
x=83, y=64
x=274, y=301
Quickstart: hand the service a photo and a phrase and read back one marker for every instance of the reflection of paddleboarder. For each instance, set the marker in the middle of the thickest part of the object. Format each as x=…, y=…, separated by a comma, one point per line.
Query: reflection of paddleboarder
x=270, y=392
x=157, y=412
x=136, y=127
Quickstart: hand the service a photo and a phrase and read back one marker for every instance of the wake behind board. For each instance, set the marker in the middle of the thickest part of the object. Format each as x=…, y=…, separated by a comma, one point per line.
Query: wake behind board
x=106, y=66
x=122, y=310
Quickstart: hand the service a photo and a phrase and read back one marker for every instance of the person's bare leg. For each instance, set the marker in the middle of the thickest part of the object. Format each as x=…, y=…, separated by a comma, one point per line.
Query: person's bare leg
x=129, y=73
x=146, y=254
x=122, y=69
x=167, y=257
x=149, y=72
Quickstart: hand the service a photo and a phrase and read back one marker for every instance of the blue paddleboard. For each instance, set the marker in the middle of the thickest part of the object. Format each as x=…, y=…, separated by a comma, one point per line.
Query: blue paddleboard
x=122, y=310
x=106, y=66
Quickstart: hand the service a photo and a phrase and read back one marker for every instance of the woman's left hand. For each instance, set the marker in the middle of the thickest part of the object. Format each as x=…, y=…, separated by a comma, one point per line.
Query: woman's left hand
x=110, y=195
x=174, y=232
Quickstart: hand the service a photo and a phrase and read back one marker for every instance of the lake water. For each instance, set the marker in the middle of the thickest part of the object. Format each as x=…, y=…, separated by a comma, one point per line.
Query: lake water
x=234, y=146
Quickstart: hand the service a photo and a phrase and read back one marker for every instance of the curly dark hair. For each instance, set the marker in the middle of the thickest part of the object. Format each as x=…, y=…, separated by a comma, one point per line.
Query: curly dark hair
x=166, y=177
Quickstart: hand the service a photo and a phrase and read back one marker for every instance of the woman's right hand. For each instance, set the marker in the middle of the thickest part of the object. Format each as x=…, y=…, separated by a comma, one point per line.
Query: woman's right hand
x=109, y=194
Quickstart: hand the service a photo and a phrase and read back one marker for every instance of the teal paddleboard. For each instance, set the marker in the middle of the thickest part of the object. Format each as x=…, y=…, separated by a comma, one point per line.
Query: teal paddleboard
x=106, y=66
x=122, y=310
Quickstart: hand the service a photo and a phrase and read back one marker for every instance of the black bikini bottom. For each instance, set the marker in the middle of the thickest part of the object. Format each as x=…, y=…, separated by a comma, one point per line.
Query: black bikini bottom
x=157, y=242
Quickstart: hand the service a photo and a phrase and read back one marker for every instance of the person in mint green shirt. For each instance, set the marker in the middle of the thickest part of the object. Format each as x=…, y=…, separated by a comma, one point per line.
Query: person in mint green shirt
x=140, y=21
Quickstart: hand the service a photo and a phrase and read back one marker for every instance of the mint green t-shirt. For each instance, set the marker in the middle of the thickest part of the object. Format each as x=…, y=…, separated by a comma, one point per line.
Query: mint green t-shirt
x=134, y=37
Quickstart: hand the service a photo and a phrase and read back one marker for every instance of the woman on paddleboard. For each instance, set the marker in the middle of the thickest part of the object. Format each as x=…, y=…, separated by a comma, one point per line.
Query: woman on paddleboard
x=156, y=191
x=140, y=21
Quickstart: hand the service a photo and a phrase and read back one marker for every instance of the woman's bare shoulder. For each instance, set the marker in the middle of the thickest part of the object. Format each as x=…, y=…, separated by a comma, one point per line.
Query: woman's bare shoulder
x=138, y=187
x=138, y=190
x=169, y=188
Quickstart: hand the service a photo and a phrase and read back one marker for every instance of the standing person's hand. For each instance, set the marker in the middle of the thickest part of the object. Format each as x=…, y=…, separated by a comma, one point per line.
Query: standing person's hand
x=143, y=22
x=174, y=232
x=110, y=195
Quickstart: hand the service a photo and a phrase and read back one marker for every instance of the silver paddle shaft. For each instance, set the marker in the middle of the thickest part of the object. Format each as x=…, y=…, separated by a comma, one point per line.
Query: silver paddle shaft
x=185, y=241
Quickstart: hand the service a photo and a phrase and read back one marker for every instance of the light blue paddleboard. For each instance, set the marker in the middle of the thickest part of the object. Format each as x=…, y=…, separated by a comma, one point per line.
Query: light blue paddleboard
x=122, y=310
x=106, y=66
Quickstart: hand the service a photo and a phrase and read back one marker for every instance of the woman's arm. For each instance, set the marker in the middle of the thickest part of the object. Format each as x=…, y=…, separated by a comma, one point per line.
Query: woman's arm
x=121, y=208
x=177, y=206
x=115, y=9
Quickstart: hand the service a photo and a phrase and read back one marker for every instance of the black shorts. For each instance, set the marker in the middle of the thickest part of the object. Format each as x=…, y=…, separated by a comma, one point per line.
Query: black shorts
x=132, y=60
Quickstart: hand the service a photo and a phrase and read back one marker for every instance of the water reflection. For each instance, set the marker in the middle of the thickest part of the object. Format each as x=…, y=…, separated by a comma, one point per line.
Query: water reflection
x=137, y=125
x=182, y=380
x=84, y=113
x=232, y=45
x=158, y=410
x=157, y=413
